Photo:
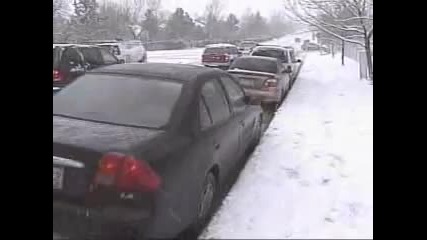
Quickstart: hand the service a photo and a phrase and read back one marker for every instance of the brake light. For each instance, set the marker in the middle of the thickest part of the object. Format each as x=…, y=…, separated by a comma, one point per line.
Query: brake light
x=126, y=174
x=226, y=58
x=272, y=82
x=57, y=76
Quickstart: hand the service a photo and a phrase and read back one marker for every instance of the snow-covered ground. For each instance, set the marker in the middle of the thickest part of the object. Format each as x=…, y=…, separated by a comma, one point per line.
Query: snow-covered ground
x=312, y=174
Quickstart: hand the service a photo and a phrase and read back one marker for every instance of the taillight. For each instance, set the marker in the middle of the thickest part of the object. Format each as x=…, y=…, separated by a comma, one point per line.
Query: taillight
x=57, y=76
x=272, y=82
x=126, y=174
x=226, y=58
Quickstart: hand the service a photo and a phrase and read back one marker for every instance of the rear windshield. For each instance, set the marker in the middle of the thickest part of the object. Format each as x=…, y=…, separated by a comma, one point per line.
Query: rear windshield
x=279, y=54
x=120, y=100
x=220, y=50
x=254, y=64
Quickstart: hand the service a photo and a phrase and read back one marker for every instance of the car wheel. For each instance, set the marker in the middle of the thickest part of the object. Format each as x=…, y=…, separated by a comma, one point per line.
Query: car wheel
x=269, y=107
x=208, y=197
x=258, y=134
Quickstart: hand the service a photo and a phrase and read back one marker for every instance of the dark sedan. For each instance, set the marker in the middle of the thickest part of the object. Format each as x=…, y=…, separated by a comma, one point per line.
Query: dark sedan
x=141, y=151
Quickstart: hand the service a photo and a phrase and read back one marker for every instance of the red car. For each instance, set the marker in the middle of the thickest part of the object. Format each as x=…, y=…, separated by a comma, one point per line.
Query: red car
x=220, y=55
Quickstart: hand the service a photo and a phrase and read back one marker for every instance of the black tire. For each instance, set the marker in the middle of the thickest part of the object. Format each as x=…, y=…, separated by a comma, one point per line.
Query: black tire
x=258, y=134
x=207, y=203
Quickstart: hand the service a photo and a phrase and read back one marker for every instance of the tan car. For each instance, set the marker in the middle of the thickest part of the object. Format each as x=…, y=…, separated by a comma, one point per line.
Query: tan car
x=264, y=79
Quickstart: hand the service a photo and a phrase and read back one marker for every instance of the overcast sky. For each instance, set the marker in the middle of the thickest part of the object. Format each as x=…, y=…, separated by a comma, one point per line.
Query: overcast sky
x=238, y=7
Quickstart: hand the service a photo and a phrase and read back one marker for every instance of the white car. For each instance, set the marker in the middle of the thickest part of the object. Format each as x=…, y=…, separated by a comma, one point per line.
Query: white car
x=285, y=54
x=246, y=47
x=127, y=51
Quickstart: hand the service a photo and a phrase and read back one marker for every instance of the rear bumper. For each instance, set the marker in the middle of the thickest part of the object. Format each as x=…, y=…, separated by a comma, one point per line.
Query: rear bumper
x=76, y=222
x=260, y=96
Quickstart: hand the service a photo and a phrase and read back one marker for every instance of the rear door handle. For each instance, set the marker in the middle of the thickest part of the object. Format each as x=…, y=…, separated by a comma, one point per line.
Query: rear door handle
x=217, y=145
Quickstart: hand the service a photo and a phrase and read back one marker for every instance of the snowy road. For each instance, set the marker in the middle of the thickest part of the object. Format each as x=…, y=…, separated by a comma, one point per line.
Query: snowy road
x=312, y=174
x=193, y=56
x=185, y=56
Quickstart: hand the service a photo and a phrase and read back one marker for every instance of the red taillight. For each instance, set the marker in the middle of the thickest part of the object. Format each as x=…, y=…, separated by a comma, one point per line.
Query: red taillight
x=270, y=83
x=127, y=174
x=57, y=76
x=226, y=58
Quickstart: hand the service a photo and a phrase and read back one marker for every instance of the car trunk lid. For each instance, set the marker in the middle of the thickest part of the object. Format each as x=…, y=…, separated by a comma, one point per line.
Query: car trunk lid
x=251, y=79
x=78, y=147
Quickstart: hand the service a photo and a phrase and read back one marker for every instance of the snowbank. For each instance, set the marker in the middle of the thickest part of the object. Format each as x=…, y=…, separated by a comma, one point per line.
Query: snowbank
x=312, y=174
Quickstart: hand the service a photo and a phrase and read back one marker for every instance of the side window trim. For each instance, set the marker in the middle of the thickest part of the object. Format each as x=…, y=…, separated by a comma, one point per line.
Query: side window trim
x=208, y=111
x=225, y=93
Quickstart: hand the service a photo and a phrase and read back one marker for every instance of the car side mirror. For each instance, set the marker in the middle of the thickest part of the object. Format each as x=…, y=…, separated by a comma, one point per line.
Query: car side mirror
x=299, y=61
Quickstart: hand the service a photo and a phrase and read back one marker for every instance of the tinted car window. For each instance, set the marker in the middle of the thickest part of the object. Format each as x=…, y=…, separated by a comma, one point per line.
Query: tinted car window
x=218, y=50
x=235, y=93
x=119, y=100
x=292, y=55
x=255, y=64
x=70, y=58
x=274, y=53
x=92, y=55
x=215, y=101
x=205, y=118
x=108, y=57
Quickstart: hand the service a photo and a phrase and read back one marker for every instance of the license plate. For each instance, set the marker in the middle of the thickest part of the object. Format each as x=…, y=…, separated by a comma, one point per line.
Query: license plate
x=58, y=178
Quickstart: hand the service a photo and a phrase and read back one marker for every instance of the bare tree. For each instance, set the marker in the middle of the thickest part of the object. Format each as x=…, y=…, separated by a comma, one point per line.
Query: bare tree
x=350, y=21
x=154, y=5
x=212, y=16
x=60, y=7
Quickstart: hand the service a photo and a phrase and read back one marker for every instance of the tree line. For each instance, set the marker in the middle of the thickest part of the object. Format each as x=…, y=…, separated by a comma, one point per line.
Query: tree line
x=79, y=20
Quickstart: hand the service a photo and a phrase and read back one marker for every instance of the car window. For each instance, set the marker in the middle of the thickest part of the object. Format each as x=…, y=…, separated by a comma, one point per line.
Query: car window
x=274, y=53
x=292, y=55
x=108, y=57
x=205, y=118
x=235, y=93
x=117, y=99
x=217, y=50
x=70, y=58
x=215, y=101
x=234, y=50
x=92, y=55
x=255, y=64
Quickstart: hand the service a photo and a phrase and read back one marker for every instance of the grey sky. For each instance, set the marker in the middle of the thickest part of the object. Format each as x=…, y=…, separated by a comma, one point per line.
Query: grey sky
x=238, y=7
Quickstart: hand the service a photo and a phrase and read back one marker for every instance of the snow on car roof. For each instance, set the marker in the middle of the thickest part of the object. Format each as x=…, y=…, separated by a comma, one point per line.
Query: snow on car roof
x=276, y=47
x=71, y=45
x=182, y=72
x=218, y=45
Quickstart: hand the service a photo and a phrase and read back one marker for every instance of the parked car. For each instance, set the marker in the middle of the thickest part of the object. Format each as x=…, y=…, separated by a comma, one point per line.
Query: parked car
x=71, y=61
x=126, y=51
x=309, y=46
x=140, y=151
x=264, y=79
x=219, y=55
x=285, y=54
x=246, y=47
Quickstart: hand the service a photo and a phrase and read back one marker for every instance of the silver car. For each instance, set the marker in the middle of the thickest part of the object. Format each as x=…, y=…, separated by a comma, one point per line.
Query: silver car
x=285, y=54
x=264, y=79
